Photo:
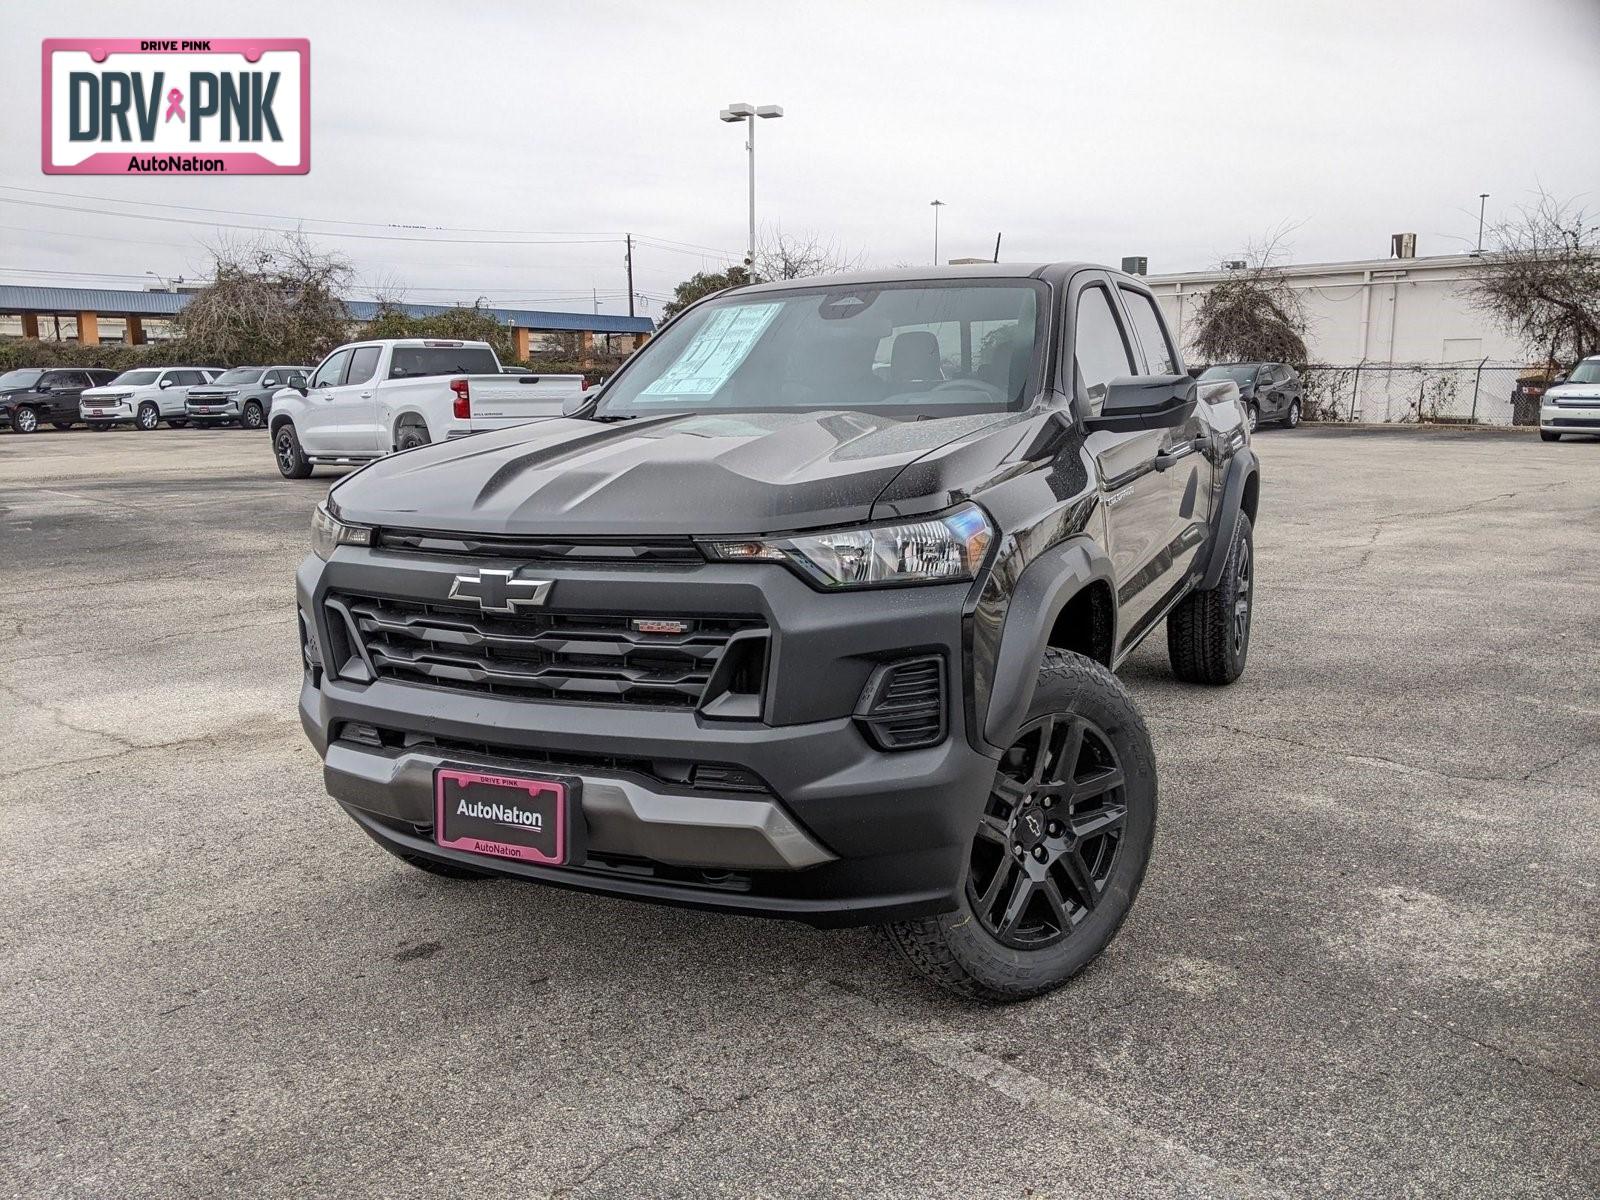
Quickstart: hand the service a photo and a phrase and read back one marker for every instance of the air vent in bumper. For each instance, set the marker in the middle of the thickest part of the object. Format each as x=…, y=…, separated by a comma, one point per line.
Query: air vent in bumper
x=903, y=705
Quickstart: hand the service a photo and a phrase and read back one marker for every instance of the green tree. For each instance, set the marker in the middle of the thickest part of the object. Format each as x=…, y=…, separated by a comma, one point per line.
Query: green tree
x=464, y=322
x=706, y=283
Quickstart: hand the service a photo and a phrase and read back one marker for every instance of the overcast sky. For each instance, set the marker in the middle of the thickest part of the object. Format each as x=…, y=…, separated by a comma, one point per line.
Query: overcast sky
x=1181, y=131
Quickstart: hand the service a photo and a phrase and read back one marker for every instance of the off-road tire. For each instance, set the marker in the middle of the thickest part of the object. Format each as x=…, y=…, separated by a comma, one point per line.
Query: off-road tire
x=1291, y=419
x=24, y=420
x=252, y=417
x=1204, y=640
x=291, y=460
x=147, y=418
x=1549, y=435
x=410, y=435
x=956, y=951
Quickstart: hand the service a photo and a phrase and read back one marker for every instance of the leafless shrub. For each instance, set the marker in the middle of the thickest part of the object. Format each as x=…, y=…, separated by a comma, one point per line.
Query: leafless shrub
x=1253, y=315
x=1542, y=283
x=270, y=300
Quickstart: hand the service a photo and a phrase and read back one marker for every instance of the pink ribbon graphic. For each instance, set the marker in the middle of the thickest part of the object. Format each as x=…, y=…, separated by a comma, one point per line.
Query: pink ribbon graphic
x=175, y=105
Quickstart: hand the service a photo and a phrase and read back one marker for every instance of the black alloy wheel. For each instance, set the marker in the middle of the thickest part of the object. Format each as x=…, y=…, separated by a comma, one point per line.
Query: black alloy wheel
x=1049, y=836
x=1242, y=576
x=251, y=418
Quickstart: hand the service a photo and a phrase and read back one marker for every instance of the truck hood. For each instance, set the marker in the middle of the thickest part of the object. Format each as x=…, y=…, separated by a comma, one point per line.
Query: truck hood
x=705, y=474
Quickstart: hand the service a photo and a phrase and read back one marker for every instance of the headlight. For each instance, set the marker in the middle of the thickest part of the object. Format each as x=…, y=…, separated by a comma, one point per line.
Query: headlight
x=940, y=549
x=328, y=532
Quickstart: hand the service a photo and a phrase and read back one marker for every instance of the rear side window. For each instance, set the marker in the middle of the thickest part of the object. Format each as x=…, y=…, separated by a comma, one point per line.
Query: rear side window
x=1099, y=350
x=363, y=364
x=331, y=372
x=414, y=362
x=1151, y=333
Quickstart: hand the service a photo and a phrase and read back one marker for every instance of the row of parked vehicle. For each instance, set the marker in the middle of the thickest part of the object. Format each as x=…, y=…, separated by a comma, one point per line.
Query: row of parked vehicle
x=31, y=397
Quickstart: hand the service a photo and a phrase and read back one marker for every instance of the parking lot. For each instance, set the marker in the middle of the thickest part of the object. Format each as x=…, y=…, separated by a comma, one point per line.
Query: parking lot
x=1365, y=961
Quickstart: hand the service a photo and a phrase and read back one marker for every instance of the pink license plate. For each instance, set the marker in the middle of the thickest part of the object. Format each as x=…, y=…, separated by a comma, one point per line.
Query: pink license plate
x=503, y=815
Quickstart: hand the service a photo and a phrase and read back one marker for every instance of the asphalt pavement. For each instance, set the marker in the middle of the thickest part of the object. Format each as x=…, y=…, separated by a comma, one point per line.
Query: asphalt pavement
x=1365, y=962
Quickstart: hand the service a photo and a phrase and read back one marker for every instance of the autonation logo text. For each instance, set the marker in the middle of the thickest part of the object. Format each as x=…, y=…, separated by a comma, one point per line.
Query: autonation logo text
x=210, y=106
x=504, y=814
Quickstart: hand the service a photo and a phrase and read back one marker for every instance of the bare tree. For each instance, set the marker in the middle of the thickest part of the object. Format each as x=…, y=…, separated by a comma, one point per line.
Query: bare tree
x=1542, y=284
x=1253, y=315
x=270, y=300
x=784, y=257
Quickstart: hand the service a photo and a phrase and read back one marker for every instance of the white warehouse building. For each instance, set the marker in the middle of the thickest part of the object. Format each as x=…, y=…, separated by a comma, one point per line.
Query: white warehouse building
x=1386, y=310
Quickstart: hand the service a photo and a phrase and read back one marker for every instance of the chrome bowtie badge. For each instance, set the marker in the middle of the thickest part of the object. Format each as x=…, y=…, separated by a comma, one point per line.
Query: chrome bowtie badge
x=500, y=591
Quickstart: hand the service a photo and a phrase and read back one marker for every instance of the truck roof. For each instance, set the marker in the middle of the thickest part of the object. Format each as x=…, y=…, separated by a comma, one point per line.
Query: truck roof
x=1053, y=272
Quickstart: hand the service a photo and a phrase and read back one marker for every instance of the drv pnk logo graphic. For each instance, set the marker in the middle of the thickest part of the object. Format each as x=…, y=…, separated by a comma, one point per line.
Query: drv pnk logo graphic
x=166, y=106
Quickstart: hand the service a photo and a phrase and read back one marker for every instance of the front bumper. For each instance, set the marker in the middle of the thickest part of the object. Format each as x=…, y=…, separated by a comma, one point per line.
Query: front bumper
x=1570, y=418
x=835, y=831
x=116, y=410
x=219, y=410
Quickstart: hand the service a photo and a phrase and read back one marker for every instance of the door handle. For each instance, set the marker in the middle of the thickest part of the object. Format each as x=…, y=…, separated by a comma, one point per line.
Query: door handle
x=1167, y=458
x=366, y=395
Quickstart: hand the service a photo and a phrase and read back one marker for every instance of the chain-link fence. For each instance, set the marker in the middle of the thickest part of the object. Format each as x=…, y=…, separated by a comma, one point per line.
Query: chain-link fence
x=1476, y=393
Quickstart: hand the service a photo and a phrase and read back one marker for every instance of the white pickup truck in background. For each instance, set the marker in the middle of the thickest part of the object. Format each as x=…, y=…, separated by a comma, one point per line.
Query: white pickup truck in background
x=369, y=399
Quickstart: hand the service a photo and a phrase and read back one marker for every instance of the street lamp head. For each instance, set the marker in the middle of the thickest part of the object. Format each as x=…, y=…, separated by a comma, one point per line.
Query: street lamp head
x=768, y=111
x=738, y=112
x=936, y=203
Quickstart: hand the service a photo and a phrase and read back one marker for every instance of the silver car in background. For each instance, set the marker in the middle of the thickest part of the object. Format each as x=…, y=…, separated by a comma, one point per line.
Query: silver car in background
x=1573, y=405
x=242, y=394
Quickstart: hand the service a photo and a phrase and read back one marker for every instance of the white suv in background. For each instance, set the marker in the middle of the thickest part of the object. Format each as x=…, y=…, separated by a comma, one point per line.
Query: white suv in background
x=1573, y=405
x=145, y=396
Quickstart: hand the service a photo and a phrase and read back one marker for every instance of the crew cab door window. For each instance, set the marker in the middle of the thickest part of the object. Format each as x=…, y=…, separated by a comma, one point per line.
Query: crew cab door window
x=1099, y=348
x=363, y=364
x=1152, y=334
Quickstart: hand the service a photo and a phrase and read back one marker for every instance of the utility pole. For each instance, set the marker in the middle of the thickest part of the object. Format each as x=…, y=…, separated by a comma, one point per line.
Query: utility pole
x=596, y=294
x=997, y=247
x=630, y=274
x=1482, y=197
x=936, y=205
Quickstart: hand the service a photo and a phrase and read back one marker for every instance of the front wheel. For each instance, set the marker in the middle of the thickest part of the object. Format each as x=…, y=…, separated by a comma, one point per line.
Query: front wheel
x=1292, y=417
x=1252, y=416
x=1208, y=633
x=1060, y=849
x=149, y=416
x=292, y=461
x=252, y=418
x=24, y=420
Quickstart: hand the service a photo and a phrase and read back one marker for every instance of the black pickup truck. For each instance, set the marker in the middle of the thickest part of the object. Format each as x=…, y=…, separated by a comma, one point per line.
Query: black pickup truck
x=812, y=611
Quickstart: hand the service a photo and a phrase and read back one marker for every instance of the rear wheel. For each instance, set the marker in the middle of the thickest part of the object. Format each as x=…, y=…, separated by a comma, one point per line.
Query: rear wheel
x=1208, y=633
x=411, y=435
x=24, y=420
x=292, y=463
x=1549, y=435
x=1252, y=416
x=252, y=417
x=1060, y=849
x=1292, y=417
x=148, y=417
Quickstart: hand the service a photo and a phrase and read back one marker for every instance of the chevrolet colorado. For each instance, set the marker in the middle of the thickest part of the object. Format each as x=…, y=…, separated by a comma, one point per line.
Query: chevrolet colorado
x=811, y=611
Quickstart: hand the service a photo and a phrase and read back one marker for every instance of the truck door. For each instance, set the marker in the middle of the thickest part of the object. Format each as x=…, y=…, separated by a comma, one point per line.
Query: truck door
x=1182, y=469
x=317, y=425
x=356, y=404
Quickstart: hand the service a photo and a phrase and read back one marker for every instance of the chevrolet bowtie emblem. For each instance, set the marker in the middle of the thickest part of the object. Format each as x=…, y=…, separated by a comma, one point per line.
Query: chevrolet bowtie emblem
x=500, y=591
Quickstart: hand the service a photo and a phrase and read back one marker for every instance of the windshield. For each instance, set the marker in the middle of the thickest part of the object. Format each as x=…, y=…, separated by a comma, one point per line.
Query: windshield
x=1588, y=371
x=20, y=379
x=1239, y=374
x=924, y=348
x=137, y=378
x=239, y=375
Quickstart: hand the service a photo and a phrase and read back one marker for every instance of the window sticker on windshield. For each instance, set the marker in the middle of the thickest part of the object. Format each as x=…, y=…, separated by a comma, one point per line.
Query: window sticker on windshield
x=716, y=352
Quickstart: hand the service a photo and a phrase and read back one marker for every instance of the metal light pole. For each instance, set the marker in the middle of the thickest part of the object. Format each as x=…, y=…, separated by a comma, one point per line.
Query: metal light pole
x=936, y=205
x=748, y=113
x=1482, y=197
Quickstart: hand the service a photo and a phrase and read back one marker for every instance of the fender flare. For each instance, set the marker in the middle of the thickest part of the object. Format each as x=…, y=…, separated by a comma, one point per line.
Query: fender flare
x=1241, y=468
x=1046, y=586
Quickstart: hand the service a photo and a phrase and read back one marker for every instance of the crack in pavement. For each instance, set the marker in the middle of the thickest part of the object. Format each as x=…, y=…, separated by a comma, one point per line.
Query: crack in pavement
x=1335, y=752
x=176, y=635
x=940, y=1045
x=1413, y=516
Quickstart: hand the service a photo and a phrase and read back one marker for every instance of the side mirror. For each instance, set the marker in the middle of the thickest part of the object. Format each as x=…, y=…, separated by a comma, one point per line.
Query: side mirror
x=583, y=404
x=1146, y=402
x=166, y=383
x=1558, y=379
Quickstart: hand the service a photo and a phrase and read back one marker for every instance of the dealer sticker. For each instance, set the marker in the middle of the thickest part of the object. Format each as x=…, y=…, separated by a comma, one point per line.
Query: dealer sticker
x=174, y=106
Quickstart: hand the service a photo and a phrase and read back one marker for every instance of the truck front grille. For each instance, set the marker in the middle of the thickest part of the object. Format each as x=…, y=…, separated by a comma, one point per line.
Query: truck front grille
x=584, y=657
